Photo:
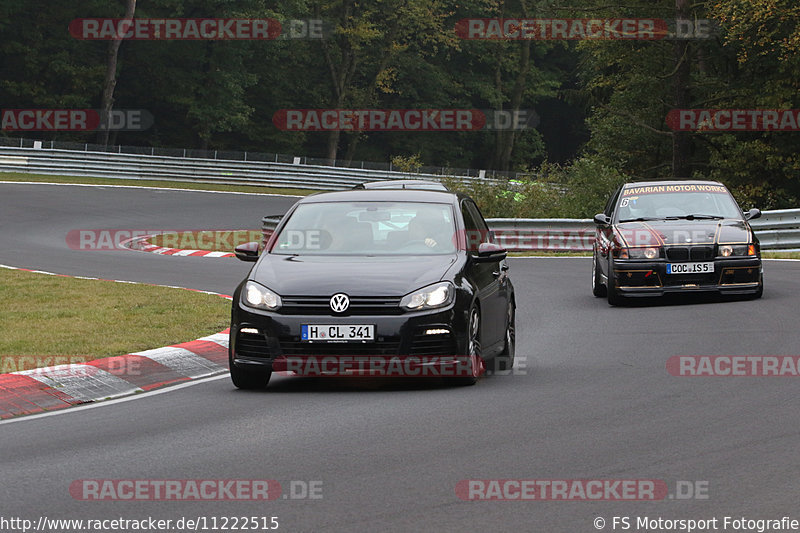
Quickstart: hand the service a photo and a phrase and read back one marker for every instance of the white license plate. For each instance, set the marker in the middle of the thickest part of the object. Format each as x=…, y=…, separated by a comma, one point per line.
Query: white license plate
x=338, y=332
x=690, y=268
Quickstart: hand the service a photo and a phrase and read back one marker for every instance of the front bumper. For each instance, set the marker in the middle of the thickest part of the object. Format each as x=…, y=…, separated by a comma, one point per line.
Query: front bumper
x=269, y=339
x=742, y=275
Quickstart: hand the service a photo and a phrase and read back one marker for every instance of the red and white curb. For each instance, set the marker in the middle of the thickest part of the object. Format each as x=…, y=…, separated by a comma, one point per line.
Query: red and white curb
x=141, y=244
x=45, y=389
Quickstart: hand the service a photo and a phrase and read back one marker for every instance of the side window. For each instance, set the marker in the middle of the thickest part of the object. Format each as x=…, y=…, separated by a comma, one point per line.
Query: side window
x=477, y=231
x=612, y=202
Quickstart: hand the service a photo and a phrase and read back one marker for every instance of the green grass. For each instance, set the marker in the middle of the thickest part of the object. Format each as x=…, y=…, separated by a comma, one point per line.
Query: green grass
x=18, y=176
x=542, y=253
x=44, y=315
x=212, y=241
x=780, y=255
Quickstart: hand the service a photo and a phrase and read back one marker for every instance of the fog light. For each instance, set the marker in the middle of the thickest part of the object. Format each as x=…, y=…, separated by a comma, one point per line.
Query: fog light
x=249, y=330
x=438, y=331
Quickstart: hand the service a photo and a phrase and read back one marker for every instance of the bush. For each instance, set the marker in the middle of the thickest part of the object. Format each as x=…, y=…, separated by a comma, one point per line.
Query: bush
x=576, y=191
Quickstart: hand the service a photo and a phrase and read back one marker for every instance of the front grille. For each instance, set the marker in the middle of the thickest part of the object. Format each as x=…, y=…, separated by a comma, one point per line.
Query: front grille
x=292, y=347
x=359, y=306
x=444, y=344
x=690, y=253
x=676, y=253
x=252, y=345
x=701, y=253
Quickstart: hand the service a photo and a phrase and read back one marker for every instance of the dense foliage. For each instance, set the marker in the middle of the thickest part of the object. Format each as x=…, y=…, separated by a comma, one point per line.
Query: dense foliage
x=601, y=104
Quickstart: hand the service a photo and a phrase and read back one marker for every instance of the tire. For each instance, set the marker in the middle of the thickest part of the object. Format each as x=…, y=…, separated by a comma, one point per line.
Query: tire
x=614, y=297
x=760, y=292
x=473, y=350
x=246, y=379
x=250, y=379
x=598, y=289
x=504, y=361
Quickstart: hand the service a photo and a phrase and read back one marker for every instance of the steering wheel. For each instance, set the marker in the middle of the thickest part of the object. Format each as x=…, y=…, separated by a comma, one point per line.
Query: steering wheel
x=415, y=242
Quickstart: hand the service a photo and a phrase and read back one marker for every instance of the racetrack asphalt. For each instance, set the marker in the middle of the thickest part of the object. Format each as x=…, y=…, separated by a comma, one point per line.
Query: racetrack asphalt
x=594, y=400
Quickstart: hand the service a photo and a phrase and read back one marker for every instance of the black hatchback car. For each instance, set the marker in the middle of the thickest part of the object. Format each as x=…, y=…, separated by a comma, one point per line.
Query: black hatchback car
x=675, y=236
x=397, y=275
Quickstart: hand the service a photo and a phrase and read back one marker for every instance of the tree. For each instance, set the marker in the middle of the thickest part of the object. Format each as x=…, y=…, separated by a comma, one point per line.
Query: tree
x=107, y=101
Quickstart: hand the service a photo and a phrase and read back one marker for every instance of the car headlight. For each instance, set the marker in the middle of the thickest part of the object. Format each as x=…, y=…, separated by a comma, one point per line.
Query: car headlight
x=430, y=297
x=651, y=252
x=260, y=297
x=728, y=250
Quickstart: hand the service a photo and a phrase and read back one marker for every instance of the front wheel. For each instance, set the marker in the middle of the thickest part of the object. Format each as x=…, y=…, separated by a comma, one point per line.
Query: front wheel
x=505, y=360
x=246, y=379
x=760, y=292
x=473, y=354
x=613, y=295
x=598, y=289
x=250, y=379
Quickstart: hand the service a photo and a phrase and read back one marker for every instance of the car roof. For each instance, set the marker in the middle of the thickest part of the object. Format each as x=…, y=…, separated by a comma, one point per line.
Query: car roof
x=402, y=184
x=383, y=195
x=672, y=181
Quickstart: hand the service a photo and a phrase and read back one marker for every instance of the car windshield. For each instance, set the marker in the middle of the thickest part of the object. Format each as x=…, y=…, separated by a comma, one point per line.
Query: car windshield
x=368, y=228
x=637, y=203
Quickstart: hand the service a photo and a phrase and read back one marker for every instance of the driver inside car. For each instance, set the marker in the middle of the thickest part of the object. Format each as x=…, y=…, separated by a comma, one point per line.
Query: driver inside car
x=430, y=228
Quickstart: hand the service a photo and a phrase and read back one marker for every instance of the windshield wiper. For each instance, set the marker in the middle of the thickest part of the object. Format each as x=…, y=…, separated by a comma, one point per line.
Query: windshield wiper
x=700, y=217
x=640, y=219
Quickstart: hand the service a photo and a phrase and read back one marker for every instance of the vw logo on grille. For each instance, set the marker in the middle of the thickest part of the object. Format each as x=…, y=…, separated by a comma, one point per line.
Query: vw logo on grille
x=340, y=302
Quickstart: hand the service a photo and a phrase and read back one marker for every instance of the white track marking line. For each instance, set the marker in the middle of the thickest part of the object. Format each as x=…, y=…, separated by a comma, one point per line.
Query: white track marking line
x=9, y=267
x=152, y=188
x=80, y=408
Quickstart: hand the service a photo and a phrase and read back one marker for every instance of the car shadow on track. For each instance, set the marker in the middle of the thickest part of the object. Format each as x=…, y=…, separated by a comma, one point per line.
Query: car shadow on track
x=683, y=299
x=290, y=384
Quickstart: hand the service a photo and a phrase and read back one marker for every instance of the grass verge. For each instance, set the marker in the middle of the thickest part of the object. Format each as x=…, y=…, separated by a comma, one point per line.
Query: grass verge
x=780, y=255
x=44, y=316
x=542, y=253
x=18, y=176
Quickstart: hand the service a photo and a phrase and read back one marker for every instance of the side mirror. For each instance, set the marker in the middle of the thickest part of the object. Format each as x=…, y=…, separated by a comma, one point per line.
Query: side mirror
x=489, y=252
x=602, y=219
x=247, y=251
x=752, y=214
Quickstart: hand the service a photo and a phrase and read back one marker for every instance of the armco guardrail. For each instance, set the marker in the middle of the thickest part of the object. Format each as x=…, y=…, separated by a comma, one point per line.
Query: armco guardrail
x=195, y=170
x=777, y=230
x=543, y=234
